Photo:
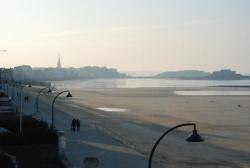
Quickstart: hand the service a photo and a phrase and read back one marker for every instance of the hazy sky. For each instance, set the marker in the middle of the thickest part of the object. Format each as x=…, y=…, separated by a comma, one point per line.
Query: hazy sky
x=137, y=35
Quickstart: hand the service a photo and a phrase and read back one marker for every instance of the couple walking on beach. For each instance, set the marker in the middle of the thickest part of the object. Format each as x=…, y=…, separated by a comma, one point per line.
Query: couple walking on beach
x=75, y=125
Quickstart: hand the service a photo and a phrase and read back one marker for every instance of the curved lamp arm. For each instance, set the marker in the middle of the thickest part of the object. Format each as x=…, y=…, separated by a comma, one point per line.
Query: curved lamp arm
x=54, y=100
x=193, y=138
x=37, y=96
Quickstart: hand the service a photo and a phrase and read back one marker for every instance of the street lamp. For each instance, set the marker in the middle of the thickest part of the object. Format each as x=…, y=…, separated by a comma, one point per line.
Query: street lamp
x=194, y=137
x=52, y=117
x=37, y=96
x=1, y=76
x=14, y=89
x=21, y=109
x=7, y=89
x=2, y=70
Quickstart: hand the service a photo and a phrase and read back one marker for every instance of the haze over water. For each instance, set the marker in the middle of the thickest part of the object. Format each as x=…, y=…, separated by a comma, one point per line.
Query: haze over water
x=142, y=83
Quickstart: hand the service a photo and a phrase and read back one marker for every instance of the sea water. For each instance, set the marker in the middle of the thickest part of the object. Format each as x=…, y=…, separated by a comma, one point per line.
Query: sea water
x=143, y=83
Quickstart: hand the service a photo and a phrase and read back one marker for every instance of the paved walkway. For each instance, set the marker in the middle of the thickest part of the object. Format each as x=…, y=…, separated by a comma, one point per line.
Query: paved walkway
x=89, y=142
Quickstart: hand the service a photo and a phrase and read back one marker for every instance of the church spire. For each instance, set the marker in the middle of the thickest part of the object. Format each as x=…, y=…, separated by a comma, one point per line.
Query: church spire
x=59, y=62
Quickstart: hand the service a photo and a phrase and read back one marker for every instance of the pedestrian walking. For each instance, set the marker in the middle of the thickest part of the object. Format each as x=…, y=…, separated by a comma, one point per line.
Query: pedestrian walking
x=78, y=124
x=73, y=125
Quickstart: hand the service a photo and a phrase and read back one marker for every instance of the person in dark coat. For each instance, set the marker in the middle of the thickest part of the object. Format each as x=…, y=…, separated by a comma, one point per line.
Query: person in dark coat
x=78, y=124
x=73, y=125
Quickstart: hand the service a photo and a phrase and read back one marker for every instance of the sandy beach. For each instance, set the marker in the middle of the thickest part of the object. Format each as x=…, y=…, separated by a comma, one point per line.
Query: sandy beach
x=222, y=120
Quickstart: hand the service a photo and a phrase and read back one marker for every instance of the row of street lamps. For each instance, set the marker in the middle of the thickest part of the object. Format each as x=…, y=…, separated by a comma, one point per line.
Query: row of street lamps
x=19, y=95
x=195, y=137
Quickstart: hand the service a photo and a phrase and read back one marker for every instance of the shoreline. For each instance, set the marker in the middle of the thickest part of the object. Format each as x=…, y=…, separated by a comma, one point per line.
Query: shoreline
x=233, y=86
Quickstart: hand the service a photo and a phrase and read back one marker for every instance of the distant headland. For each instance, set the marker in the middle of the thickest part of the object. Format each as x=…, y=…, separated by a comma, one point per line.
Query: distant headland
x=224, y=74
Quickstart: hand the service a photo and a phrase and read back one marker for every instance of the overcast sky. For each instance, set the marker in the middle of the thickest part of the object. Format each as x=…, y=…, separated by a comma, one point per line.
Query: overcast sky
x=131, y=35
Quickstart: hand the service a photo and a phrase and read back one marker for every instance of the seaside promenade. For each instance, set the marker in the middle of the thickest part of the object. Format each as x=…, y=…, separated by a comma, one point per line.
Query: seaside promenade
x=89, y=142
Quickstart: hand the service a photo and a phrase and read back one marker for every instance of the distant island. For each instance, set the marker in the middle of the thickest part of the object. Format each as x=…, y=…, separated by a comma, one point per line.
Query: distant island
x=224, y=74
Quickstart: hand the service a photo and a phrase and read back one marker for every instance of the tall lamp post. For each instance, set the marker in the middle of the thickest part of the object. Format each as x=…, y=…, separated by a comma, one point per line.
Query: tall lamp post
x=53, y=103
x=2, y=71
x=21, y=110
x=194, y=137
x=1, y=77
x=14, y=89
x=7, y=89
x=37, y=96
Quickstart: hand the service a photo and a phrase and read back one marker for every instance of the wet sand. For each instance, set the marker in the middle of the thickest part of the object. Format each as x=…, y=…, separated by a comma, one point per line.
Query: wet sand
x=224, y=122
